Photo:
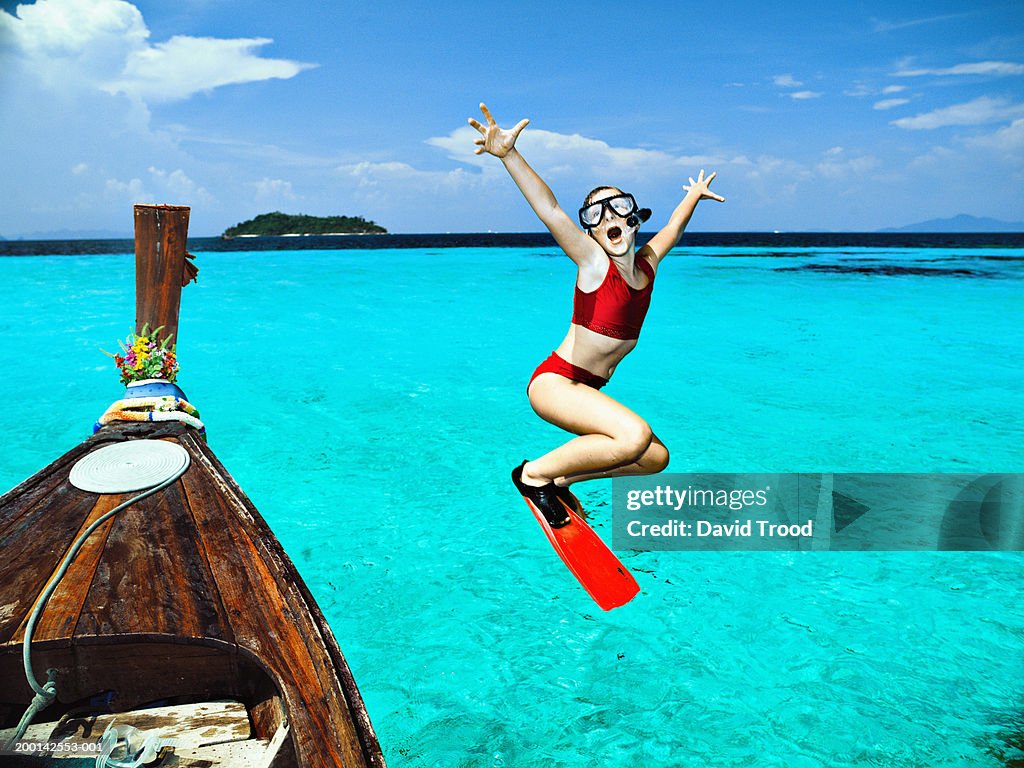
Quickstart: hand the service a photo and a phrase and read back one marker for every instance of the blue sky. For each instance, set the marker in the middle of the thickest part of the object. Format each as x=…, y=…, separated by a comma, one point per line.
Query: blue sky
x=852, y=116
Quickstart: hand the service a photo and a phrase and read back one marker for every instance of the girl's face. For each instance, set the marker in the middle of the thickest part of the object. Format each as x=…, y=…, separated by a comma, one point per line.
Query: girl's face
x=612, y=232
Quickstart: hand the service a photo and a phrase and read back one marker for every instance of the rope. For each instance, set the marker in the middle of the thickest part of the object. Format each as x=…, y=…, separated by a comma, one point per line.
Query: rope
x=133, y=465
x=43, y=699
x=157, y=403
x=46, y=693
x=161, y=408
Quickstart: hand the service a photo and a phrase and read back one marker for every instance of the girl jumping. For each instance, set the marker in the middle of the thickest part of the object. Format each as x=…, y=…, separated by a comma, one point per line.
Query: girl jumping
x=613, y=291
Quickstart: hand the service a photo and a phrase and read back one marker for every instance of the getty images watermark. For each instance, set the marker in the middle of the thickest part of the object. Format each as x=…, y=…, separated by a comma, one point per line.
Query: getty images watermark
x=863, y=511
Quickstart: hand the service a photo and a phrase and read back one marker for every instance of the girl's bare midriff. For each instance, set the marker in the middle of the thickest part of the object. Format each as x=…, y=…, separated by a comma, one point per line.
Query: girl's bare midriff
x=595, y=352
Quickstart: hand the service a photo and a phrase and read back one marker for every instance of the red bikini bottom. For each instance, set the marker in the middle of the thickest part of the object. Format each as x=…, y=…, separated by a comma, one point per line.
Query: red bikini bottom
x=556, y=364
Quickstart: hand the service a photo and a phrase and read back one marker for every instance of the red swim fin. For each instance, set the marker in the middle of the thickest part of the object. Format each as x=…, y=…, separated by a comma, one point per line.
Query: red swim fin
x=600, y=572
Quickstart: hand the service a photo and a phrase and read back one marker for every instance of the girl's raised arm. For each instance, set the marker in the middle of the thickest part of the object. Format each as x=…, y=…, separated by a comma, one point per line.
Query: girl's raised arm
x=502, y=144
x=669, y=235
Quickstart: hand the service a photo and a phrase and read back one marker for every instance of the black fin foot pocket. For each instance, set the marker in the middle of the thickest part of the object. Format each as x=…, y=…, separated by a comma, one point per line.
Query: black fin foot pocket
x=545, y=498
x=568, y=498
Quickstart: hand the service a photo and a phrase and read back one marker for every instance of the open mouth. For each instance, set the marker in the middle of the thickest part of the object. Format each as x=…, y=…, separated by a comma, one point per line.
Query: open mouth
x=614, y=233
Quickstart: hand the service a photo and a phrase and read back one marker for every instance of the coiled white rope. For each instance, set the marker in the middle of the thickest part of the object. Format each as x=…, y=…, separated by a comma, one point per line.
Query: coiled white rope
x=118, y=468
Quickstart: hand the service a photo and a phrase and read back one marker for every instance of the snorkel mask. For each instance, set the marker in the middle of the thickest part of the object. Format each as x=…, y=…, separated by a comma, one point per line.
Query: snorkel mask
x=621, y=205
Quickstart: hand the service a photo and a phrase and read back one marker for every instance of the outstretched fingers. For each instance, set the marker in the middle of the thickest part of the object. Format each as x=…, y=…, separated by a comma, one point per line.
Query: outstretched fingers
x=482, y=141
x=519, y=128
x=701, y=186
x=487, y=116
x=707, y=189
x=493, y=138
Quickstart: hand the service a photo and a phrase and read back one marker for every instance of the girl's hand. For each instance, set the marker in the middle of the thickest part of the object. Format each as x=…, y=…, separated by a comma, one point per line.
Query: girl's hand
x=496, y=141
x=700, y=187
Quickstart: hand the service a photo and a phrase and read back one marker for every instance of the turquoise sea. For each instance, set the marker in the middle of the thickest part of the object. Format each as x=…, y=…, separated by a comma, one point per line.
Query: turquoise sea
x=372, y=404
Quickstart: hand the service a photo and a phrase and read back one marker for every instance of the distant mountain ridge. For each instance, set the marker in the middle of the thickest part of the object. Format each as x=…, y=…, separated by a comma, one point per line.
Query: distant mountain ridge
x=961, y=223
x=76, y=234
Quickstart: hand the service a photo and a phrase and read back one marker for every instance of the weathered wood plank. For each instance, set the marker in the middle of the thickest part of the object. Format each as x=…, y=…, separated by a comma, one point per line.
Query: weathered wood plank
x=36, y=489
x=34, y=546
x=269, y=616
x=138, y=669
x=153, y=576
x=193, y=726
x=238, y=754
x=62, y=609
x=161, y=233
x=340, y=671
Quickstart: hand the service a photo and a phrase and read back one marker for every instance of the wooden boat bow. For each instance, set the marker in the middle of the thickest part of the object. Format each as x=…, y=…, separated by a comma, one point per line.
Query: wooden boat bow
x=184, y=598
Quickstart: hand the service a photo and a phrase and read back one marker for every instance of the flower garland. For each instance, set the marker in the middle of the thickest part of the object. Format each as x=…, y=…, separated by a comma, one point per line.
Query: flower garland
x=146, y=356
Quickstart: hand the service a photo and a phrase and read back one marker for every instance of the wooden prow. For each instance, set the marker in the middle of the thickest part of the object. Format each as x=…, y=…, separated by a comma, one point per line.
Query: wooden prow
x=161, y=233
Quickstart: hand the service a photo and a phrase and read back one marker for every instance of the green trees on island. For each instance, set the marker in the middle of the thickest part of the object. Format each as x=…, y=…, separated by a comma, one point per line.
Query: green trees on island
x=278, y=223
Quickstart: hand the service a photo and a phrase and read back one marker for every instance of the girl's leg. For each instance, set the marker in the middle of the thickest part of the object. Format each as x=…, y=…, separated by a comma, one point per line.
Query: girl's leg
x=652, y=461
x=612, y=439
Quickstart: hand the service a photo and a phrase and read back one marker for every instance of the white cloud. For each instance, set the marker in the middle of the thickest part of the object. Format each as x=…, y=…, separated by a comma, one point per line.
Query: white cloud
x=836, y=164
x=862, y=89
x=769, y=180
x=786, y=81
x=172, y=187
x=936, y=157
x=478, y=188
x=392, y=193
x=179, y=188
x=1008, y=141
x=888, y=26
x=560, y=154
x=183, y=66
x=86, y=73
x=890, y=103
x=129, y=192
x=402, y=179
x=274, y=191
x=979, y=111
x=104, y=45
x=975, y=68
x=70, y=43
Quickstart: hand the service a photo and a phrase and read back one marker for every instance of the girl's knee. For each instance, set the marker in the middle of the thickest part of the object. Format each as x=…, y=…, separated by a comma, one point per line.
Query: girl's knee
x=633, y=440
x=656, y=457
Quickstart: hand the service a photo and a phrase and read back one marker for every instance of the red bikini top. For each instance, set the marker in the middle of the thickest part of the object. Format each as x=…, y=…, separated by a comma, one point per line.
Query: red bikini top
x=615, y=309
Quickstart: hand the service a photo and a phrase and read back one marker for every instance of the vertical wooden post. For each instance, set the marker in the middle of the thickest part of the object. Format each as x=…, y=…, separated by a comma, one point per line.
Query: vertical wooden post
x=161, y=233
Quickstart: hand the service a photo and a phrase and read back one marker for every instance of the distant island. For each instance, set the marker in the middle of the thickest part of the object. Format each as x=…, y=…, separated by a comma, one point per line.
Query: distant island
x=961, y=223
x=276, y=224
